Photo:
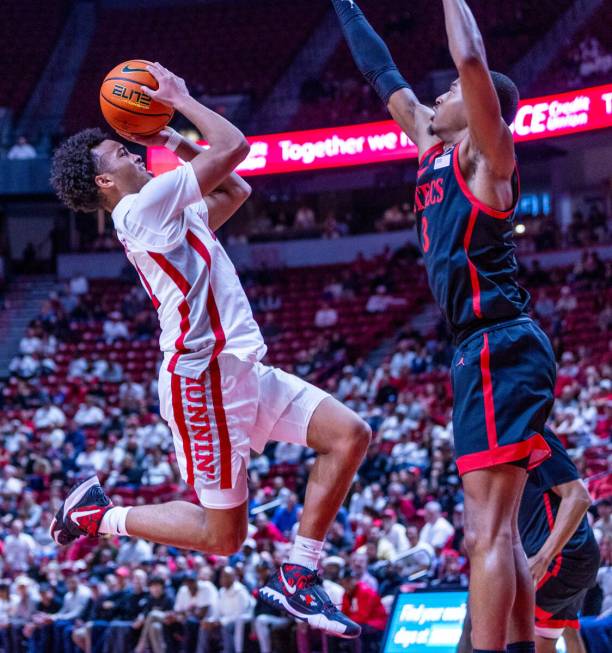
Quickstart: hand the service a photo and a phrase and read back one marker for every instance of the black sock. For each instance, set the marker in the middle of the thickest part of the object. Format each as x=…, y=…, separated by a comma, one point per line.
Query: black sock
x=521, y=647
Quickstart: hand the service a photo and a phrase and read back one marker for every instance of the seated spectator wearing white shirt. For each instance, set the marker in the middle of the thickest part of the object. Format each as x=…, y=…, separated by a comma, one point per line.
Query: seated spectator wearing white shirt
x=380, y=302
x=89, y=413
x=234, y=610
x=402, y=359
x=437, y=530
x=79, y=285
x=22, y=150
x=326, y=316
x=115, y=328
x=349, y=383
x=157, y=469
x=566, y=302
x=19, y=548
x=49, y=416
x=30, y=343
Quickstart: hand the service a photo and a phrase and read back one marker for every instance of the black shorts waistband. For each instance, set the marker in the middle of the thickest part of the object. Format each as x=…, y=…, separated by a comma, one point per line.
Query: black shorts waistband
x=468, y=334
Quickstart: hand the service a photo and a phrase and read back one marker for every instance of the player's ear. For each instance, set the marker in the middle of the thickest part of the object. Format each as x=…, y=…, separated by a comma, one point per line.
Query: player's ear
x=104, y=180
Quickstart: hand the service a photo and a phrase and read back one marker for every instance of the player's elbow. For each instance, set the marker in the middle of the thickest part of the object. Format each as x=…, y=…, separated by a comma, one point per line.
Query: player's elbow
x=471, y=56
x=239, y=150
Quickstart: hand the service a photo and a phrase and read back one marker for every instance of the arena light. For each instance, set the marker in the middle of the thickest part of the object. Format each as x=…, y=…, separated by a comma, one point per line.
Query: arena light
x=378, y=142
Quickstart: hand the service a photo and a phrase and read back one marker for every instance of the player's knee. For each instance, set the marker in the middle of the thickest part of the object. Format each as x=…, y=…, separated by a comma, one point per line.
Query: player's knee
x=223, y=543
x=357, y=437
x=481, y=537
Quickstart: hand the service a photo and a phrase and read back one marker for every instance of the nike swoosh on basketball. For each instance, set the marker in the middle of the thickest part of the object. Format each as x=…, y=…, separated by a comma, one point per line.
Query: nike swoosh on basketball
x=288, y=587
x=127, y=69
x=82, y=513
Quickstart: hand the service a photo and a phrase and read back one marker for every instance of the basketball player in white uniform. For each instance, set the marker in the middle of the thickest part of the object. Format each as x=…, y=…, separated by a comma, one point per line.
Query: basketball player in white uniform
x=217, y=397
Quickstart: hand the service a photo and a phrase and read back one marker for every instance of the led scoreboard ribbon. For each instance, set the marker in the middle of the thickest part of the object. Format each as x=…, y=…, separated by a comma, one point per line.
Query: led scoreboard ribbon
x=377, y=142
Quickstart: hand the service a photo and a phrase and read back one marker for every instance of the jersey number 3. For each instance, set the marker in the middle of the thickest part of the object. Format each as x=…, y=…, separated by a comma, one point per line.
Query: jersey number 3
x=424, y=234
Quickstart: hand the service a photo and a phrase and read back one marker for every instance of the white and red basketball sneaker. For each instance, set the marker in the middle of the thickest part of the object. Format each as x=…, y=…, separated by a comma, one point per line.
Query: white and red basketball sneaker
x=81, y=513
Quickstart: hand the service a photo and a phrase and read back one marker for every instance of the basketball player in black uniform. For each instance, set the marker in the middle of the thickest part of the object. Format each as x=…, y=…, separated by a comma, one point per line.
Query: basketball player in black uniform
x=561, y=547
x=503, y=372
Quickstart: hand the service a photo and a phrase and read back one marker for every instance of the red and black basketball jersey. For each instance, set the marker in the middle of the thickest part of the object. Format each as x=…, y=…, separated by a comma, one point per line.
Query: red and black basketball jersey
x=467, y=247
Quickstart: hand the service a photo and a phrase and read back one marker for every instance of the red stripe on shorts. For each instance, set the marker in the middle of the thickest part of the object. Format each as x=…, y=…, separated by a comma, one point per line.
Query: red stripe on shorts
x=487, y=391
x=179, y=418
x=225, y=446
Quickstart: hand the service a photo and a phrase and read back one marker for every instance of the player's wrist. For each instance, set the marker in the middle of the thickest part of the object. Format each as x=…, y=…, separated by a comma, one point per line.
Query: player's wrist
x=173, y=141
x=181, y=102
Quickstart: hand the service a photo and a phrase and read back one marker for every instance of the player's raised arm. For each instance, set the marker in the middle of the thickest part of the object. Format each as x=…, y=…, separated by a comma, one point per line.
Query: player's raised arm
x=372, y=57
x=228, y=146
x=489, y=135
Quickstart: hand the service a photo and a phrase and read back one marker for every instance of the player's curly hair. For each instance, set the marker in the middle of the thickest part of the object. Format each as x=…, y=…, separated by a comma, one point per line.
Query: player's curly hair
x=508, y=95
x=74, y=168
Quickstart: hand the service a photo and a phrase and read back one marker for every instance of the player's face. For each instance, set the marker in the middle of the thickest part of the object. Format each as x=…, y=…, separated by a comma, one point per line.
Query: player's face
x=119, y=167
x=449, y=112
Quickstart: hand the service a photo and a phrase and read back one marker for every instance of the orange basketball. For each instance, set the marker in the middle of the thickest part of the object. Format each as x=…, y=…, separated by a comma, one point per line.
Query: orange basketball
x=126, y=107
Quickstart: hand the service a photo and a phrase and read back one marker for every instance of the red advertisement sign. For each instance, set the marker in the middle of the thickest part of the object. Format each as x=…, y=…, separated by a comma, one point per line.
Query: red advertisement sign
x=377, y=142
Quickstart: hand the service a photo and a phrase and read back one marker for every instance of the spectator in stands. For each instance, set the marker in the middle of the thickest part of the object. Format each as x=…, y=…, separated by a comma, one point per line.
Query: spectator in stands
x=115, y=328
x=267, y=619
x=437, y=531
x=604, y=577
x=271, y=300
x=602, y=528
x=73, y=607
x=362, y=604
x=78, y=286
x=234, y=610
x=566, y=302
x=19, y=548
x=21, y=150
x=270, y=329
x=89, y=413
x=152, y=616
x=286, y=516
x=305, y=219
x=380, y=301
x=326, y=316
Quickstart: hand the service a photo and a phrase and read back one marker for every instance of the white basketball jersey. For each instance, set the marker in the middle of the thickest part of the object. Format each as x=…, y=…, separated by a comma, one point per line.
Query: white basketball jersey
x=190, y=279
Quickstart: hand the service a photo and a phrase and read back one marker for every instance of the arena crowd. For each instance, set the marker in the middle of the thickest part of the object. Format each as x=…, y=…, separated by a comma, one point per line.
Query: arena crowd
x=402, y=524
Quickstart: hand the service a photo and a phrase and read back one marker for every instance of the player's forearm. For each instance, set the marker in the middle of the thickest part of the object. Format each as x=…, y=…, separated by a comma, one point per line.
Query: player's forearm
x=188, y=150
x=464, y=39
x=370, y=53
x=219, y=132
x=572, y=509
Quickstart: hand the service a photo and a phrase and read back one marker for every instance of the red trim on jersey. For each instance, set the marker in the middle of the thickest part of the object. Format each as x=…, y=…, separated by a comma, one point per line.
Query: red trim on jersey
x=487, y=391
x=535, y=447
x=225, y=446
x=549, y=514
x=475, y=282
x=184, y=286
x=179, y=418
x=494, y=213
x=429, y=150
x=147, y=285
x=211, y=304
x=182, y=283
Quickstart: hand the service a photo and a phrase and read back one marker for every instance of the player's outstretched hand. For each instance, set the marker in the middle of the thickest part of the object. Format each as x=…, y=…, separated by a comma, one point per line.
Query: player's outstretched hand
x=171, y=90
x=153, y=140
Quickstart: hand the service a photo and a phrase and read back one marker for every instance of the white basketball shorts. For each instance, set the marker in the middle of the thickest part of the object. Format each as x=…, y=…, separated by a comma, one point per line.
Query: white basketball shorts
x=234, y=406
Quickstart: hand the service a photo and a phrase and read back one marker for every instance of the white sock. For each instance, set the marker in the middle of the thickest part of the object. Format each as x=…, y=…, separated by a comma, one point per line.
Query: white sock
x=113, y=522
x=305, y=552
